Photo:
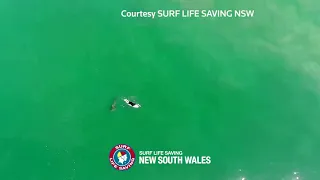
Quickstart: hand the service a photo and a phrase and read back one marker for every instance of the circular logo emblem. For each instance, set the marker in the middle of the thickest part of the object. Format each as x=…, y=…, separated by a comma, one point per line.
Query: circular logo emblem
x=122, y=157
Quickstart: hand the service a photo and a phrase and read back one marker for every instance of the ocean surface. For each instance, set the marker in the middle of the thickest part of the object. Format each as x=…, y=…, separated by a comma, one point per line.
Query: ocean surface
x=244, y=91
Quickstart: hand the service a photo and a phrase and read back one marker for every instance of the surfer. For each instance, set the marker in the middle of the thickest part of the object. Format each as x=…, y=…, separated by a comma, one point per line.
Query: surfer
x=113, y=106
x=132, y=104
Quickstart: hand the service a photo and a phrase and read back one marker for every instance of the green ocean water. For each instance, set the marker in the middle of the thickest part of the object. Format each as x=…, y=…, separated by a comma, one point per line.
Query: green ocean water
x=243, y=90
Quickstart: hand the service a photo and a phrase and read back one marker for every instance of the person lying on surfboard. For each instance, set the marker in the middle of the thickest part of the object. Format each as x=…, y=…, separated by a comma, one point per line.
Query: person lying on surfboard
x=132, y=104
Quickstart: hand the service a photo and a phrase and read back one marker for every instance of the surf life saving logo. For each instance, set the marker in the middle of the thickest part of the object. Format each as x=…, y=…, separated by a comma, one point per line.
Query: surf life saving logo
x=122, y=157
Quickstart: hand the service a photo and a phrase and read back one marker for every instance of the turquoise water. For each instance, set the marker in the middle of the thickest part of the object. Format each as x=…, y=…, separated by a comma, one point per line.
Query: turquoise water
x=243, y=90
